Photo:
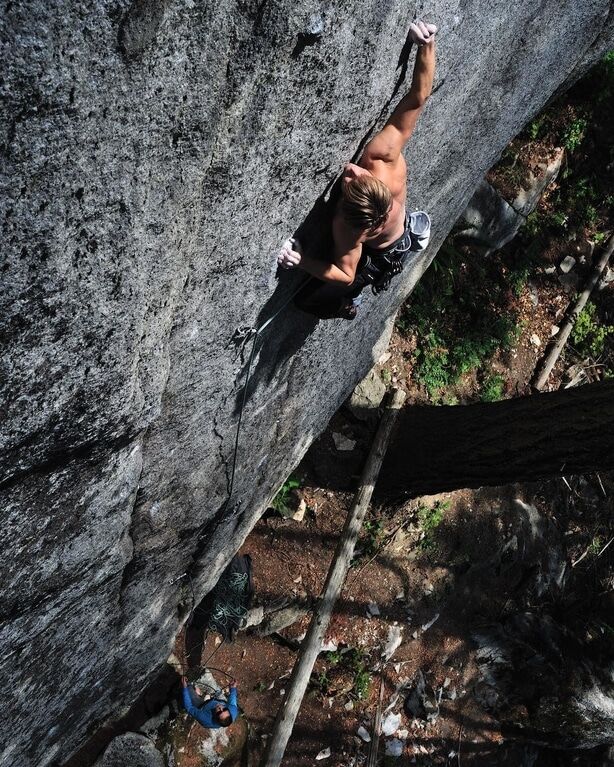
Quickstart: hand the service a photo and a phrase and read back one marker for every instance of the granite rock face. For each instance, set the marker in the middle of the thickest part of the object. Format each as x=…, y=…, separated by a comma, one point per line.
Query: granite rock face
x=154, y=155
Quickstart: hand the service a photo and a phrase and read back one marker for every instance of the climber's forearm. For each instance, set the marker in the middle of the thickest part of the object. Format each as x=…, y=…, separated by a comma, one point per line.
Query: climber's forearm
x=326, y=272
x=422, y=80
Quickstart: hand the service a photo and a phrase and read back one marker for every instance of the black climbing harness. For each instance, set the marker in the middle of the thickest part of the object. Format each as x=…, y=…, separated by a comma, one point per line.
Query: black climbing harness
x=380, y=267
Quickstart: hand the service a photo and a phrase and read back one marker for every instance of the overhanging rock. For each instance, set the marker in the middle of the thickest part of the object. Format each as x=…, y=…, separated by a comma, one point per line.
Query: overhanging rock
x=154, y=156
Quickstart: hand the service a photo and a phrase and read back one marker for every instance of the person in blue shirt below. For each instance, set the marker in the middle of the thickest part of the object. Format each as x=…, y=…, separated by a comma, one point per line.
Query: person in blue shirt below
x=210, y=712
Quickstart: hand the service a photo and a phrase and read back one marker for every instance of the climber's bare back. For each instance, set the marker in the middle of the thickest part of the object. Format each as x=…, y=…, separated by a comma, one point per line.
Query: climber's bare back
x=394, y=176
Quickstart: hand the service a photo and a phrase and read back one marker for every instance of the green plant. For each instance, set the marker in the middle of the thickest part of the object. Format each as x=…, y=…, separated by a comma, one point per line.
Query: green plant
x=356, y=660
x=449, y=399
x=321, y=683
x=518, y=279
x=345, y=660
x=373, y=530
x=432, y=368
x=362, y=683
x=402, y=324
x=590, y=215
x=559, y=219
x=386, y=375
x=492, y=388
x=595, y=546
x=574, y=135
x=534, y=224
x=588, y=335
x=430, y=517
x=283, y=501
x=535, y=127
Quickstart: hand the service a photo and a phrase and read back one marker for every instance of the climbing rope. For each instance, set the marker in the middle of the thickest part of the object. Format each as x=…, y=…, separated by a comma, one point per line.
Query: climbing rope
x=226, y=614
x=254, y=333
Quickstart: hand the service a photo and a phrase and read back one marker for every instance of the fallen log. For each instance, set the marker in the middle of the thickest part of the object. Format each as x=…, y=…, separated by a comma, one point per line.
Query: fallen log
x=337, y=572
x=543, y=370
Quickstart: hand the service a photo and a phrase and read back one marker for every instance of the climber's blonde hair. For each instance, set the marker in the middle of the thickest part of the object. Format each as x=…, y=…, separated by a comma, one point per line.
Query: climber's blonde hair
x=366, y=202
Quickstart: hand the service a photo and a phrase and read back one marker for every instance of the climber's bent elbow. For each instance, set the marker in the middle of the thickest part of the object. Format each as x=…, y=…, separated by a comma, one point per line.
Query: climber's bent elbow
x=347, y=279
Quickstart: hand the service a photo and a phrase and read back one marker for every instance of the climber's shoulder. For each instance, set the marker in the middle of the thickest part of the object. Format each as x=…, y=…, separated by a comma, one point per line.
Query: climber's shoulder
x=392, y=172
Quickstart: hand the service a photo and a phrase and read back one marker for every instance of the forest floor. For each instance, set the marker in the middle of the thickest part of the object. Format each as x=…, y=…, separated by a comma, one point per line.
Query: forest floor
x=473, y=330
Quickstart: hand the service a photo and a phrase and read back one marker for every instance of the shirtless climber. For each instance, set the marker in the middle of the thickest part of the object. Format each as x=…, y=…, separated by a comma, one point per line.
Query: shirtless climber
x=374, y=237
x=207, y=710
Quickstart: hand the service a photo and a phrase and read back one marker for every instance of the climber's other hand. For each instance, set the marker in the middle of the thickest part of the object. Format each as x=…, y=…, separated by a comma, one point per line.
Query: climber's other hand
x=422, y=33
x=290, y=254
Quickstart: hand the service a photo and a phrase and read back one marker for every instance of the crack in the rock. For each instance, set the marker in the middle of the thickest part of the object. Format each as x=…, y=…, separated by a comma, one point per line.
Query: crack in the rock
x=402, y=64
x=130, y=567
x=220, y=448
x=209, y=528
x=92, y=450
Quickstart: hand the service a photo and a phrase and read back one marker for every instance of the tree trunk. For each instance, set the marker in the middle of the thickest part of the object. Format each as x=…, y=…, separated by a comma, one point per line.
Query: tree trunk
x=545, y=435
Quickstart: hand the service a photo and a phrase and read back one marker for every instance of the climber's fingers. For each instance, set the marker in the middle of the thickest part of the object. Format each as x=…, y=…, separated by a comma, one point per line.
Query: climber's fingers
x=416, y=35
x=289, y=255
x=422, y=33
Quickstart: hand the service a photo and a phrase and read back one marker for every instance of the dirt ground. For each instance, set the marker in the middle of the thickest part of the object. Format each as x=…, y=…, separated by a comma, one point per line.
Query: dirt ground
x=427, y=591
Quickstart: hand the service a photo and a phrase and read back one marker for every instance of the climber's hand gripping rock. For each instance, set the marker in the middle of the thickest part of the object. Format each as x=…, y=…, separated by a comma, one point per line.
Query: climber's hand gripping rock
x=422, y=33
x=290, y=254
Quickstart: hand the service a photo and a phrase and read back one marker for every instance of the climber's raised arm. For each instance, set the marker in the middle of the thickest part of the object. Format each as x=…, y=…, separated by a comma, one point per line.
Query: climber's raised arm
x=388, y=144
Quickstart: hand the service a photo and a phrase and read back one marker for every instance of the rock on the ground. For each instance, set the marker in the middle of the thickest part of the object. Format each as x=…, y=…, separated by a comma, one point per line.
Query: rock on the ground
x=544, y=174
x=155, y=722
x=281, y=619
x=531, y=663
x=391, y=724
x=567, y=264
x=393, y=642
x=570, y=281
x=131, y=750
x=154, y=156
x=421, y=702
x=394, y=747
x=367, y=397
x=343, y=443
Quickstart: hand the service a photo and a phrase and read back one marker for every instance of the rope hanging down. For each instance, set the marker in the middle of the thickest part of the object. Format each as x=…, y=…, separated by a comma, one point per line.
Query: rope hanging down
x=255, y=333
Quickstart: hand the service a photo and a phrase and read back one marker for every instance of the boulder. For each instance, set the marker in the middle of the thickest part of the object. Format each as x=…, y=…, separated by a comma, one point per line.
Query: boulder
x=489, y=220
x=367, y=397
x=531, y=191
x=131, y=750
x=492, y=221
